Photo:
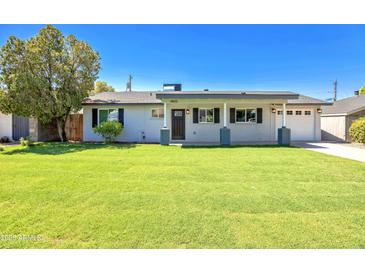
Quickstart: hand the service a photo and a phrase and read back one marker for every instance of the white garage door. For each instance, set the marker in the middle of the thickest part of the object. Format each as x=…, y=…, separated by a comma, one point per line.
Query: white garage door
x=300, y=122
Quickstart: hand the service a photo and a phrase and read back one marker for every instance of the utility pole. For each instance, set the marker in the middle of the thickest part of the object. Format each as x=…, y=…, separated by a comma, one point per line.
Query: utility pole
x=334, y=90
x=129, y=83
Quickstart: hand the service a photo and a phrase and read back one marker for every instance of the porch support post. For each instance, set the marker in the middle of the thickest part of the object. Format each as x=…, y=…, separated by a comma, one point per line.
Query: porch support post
x=165, y=115
x=225, y=115
x=165, y=132
x=225, y=133
x=284, y=132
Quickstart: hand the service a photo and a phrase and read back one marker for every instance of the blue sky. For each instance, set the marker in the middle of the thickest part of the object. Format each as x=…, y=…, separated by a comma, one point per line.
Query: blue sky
x=301, y=58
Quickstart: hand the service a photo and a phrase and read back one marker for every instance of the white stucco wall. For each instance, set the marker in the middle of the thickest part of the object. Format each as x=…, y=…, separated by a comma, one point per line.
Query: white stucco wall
x=240, y=132
x=333, y=128
x=252, y=131
x=6, y=125
x=137, y=121
x=304, y=128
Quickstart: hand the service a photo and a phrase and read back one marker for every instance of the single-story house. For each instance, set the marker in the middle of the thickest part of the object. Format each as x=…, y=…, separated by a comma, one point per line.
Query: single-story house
x=215, y=117
x=337, y=118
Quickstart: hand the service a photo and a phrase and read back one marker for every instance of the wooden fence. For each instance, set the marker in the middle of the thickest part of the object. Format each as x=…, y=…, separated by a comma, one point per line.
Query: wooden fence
x=74, y=127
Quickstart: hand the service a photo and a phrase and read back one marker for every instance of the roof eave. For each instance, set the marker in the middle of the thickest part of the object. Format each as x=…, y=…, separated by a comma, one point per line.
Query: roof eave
x=225, y=96
x=310, y=104
x=120, y=103
x=333, y=114
x=356, y=110
x=345, y=113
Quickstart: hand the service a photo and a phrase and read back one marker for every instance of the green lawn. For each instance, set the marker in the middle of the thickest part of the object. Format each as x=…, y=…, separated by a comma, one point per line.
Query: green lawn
x=149, y=196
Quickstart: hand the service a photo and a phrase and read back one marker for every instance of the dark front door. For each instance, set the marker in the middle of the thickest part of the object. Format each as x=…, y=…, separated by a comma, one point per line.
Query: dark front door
x=20, y=127
x=178, y=124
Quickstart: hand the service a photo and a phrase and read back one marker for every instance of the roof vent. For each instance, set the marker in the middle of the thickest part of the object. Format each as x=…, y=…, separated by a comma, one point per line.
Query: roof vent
x=356, y=92
x=171, y=87
x=205, y=89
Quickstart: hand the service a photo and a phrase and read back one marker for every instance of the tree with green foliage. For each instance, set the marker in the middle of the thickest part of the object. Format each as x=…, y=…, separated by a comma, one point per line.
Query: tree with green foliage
x=362, y=90
x=46, y=76
x=101, y=86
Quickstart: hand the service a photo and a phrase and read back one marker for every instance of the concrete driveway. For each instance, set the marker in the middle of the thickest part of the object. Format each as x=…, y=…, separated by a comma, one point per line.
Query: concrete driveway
x=353, y=152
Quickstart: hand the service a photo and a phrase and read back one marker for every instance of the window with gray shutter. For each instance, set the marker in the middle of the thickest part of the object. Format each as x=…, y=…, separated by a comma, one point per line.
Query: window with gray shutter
x=232, y=115
x=259, y=116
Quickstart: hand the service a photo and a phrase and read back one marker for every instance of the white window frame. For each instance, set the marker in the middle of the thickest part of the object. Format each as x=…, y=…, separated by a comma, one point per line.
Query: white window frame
x=306, y=111
x=245, y=122
x=300, y=112
x=280, y=112
x=288, y=111
x=108, y=113
x=206, y=110
x=161, y=113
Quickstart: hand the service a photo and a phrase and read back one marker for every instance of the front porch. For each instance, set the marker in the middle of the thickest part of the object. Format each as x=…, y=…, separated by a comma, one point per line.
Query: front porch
x=223, y=122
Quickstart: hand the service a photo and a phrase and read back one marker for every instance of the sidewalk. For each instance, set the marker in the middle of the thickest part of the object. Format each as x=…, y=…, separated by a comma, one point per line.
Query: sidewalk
x=348, y=151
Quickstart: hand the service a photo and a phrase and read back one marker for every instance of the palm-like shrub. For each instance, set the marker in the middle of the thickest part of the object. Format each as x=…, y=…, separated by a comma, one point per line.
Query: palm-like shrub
x=357, y=131
x=109, y=130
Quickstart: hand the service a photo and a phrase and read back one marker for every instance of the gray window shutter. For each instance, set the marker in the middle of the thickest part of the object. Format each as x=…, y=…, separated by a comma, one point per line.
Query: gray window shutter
x=195, y=115
x=232, y=115
x=216, y=115
x=94, y=117
x=121, y=115
x=259, y=116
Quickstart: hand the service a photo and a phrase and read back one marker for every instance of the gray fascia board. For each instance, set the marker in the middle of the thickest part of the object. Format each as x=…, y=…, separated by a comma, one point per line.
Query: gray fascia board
x=226, y=96
x=118, y=104
x=309, y=104
x=333, y=114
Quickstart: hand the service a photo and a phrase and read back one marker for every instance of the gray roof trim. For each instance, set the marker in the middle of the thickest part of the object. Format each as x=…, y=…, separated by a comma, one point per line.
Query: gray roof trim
x=226, y=95
x=118, y=104
x=109, y=98
x=333, y=115
x=104, y=103
x=310, y=104
x=154, y=98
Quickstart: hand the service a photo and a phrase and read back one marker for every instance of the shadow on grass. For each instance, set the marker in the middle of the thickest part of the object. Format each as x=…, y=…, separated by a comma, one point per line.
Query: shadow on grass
x=235, y=146
x=63, y=148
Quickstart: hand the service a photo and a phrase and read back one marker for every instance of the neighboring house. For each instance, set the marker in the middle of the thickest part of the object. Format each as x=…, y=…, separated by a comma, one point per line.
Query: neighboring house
x=204, y=116
x=14, y=127
x=337, y=119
